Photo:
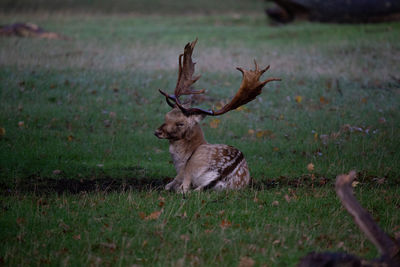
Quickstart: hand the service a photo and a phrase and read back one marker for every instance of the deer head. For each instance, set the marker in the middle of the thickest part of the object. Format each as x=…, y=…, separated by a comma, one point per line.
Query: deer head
x=178, y=126
x=180, y=122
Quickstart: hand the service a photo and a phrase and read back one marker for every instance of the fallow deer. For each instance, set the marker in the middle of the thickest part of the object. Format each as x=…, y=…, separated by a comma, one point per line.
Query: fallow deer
x=388, y=248
x=199, y=164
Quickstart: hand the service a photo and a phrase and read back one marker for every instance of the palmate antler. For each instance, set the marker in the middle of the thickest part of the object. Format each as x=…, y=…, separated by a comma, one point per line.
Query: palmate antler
x=249, y=89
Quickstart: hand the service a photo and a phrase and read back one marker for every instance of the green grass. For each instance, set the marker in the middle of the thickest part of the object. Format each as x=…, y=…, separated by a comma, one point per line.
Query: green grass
x=207, y=229
x=62, y=89
x=135, y=6
x=90, y=105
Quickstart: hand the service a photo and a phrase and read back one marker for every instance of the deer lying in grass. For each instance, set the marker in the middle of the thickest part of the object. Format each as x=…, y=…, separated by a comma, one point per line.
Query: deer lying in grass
x=388, y=248
x=198, y=163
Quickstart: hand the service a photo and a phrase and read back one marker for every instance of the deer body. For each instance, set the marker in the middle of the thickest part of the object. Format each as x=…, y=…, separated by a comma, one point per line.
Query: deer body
x=198, y=163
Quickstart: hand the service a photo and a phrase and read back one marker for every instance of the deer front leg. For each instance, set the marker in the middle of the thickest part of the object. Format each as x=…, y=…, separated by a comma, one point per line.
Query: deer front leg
x=186, y=180
x=175, y=184
x=172, y=185
x=185, y=186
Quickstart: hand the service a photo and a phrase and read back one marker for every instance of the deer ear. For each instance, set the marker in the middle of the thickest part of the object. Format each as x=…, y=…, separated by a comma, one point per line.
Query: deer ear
x=198, y=117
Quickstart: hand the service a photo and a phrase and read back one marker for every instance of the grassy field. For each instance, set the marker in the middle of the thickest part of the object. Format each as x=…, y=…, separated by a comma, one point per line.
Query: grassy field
x=159, y=7
x=83, y=111
x=160, y=229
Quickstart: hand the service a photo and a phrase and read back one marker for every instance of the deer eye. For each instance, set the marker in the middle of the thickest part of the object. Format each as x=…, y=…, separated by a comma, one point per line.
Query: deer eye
x=180, y=124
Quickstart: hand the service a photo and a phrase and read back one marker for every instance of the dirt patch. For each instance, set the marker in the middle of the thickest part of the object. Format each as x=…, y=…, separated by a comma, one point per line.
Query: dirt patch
x=282, y=181
x=39, y=185
x=75, y=186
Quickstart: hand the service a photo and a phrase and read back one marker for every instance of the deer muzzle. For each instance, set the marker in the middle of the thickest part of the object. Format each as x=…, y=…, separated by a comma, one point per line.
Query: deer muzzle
x=160, y=133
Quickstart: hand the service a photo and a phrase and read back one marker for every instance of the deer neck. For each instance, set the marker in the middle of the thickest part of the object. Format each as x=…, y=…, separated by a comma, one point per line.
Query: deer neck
x=181, y=150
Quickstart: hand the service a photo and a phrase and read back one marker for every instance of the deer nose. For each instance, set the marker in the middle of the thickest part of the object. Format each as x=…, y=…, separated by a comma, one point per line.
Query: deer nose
x=157, y=133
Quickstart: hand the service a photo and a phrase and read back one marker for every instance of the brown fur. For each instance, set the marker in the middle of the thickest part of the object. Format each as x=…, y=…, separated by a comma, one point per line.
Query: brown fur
x=198, y=163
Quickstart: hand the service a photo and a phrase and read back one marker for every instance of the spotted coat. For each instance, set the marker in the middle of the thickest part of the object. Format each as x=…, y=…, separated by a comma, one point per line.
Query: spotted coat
x=200, y=165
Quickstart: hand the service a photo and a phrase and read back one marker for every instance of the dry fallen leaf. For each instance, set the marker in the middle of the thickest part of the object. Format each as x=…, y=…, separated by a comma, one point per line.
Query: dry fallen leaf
x=180, y=262
x=214, y=123
x=219, y=105
x=154, y=215
x=243, y=108
x=276, y=242
x=310, y=167
x=157, y=150
x=354, y=184
x=298, y=98
x=65, y=227
x=162, y=201
x=183, y=216
x=225, y=223
x=380, y=181
x=340, y=244
x=263, y=133
x=382, y=120
x=246, y=262
x=275, y=203
x=2, y=131
x=323, y=100
x=334, y=135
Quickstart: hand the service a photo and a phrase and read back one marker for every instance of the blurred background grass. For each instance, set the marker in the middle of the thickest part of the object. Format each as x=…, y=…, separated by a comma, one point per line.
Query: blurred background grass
x=92, y=100
x=158, y=7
